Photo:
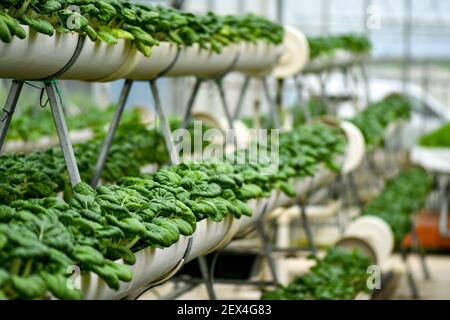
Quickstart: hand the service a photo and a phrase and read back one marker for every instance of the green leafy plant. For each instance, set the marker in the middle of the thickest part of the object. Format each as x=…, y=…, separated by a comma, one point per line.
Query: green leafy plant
x=316, y=108
x=340, y=275
x=328, y=45
x=143, y=24
x=374, y=120
x=401, y=198
x=439, y=138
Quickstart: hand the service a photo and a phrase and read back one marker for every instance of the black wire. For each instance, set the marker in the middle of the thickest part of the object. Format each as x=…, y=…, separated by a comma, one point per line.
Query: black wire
x=41, y=95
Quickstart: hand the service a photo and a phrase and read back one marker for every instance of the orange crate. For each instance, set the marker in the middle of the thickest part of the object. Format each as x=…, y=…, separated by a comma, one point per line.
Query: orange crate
x=427, y=228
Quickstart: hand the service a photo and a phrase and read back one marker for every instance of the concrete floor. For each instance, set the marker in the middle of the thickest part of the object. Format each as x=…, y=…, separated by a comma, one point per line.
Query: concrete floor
x=437, y=288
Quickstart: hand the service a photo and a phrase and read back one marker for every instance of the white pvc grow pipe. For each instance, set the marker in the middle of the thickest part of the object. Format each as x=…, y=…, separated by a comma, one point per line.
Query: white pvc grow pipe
x=372, y=235
x=356, y=147
x=295, y=55
x=338, y=59
x=151, y=264
x=36, y=57
x=40, y=56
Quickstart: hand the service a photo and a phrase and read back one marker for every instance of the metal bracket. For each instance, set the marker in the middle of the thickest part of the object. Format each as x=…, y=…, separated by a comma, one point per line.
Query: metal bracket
x=207, y=278
x=174, y=158
x=8, y=110
x=411, y=281
x=191, y=101
x=225, y=106
x=299, y=89
x=240, y=103
x=58, y=116
x=72, y=61
x=305, y=221
x=63, y=133
x=272, y=104
x=267, y=250
x=218, y=80
x=106, y=146
x=444, y=190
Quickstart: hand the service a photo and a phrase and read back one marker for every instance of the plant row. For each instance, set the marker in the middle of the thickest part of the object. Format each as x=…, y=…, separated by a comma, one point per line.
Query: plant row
x=340, y=275
x=439, y=138
x=40, y=238
x=43, y=173
x=401, y=197
x=375, y=119
x=144, y=24
x=328, y=45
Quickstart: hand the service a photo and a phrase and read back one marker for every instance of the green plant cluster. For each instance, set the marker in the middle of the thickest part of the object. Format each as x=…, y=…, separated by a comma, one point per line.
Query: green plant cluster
x=439, y=138
x=401, y=198
x=144, y=24
x=316, y=108
x=374, y=120
x=340, y=275
x=33, y=123
x=43, y=173
x=328, y=45
x=40, y=238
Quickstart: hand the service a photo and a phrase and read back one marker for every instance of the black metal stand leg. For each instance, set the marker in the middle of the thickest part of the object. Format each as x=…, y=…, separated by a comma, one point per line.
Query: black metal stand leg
x=191, y=101
x=8, y=110
x=421, y=251
x=206, y=278
x=444, y=190
x=354, y=190
x=411, y=281
x=299, y=90
x=307, y=227
x=63, y=134
x=101, y=161
x=174, y=157
x=366, y=81
x=240, y=103
x=346, y=78
x=270, y=100
x=323, y=92
x=267, y=251
x=372, y=165
x=223, y=98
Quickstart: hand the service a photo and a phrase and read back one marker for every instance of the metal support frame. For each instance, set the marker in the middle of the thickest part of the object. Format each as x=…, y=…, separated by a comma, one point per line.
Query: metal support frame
x=207, y=278
x=240, y=103
x=411, y=281
x=223, y=98
x=174, y=158
x=164, y=123
x=354, y=190
x=63, y=133
x=207, y=272
x=417, y=246
x=366, y=81
x=267, y=250
x=299, y=90
x=272, y=103
x=8, y=110
x=444, y=192
x=191, y=101
x=106, y=147
x=307, y=226
x=58, y=117
x=177, y=292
